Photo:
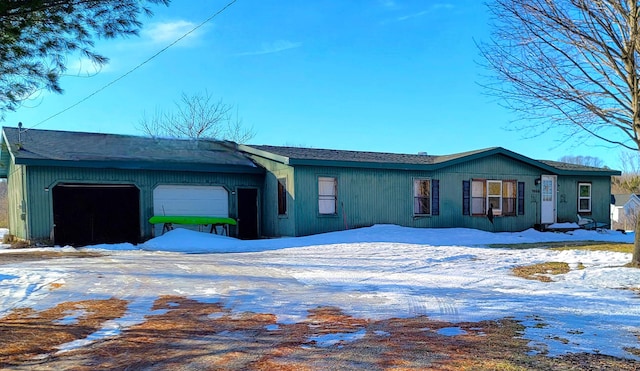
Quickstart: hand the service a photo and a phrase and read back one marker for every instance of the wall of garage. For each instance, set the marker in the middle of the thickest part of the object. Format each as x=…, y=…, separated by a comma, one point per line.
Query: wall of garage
x=41, y=180
x=17, y=200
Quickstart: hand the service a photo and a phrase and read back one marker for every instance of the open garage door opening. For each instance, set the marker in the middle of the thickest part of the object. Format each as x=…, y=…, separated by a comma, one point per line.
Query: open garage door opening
x=86, y=214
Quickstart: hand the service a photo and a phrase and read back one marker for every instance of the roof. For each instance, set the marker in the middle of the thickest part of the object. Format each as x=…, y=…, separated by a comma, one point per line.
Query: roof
x=343, y=158
x=620, y=199
x=79, y=149
x=623, y=199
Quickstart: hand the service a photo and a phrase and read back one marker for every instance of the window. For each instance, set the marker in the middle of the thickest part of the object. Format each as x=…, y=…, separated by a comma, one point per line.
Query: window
x=509, y=197
x=282, y=196
x=500, y=195
x=421, y=197
x=327, y=191
x=494, y=196
x=478, y=197
x=584, y=197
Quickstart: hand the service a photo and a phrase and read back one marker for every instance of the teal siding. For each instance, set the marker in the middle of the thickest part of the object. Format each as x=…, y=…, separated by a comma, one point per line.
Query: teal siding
x=380, y=196
x=41, y=181
x=275, y=225
x=365, y=196
x=17, y=201
x=600, y=198
x=370, y=196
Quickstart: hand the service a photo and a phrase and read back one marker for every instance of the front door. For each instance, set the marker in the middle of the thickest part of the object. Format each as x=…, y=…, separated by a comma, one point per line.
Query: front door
x=247, y=213
x=548, y=199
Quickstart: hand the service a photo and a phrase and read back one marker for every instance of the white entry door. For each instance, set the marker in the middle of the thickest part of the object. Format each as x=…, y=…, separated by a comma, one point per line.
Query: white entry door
x=548, y=214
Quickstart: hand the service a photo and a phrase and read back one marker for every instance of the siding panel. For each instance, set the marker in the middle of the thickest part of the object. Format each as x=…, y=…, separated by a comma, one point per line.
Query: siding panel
x=370, y=196
x=42, y=179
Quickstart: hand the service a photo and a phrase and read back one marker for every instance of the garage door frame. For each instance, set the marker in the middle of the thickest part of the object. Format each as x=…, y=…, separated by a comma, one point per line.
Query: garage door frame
x=96, y=184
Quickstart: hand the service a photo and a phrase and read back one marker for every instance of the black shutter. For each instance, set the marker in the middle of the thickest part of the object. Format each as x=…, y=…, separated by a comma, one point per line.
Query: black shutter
x=520, y=198
x=466, y=197
x=435, y=197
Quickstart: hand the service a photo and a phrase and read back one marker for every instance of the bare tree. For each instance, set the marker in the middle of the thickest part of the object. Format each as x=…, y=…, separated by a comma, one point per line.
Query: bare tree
x=583, y=160
x=629, y=181
x=571, y=64
x=197, y=116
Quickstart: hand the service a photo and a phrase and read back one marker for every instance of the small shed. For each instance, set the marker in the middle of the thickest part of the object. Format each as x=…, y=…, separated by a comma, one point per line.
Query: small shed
x=624, y=210
x=85, y=188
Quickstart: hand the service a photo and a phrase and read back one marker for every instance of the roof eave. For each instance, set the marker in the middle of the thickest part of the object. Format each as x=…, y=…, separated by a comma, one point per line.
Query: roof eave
x=264, y=154
x=144, y=165
x=360, y=164
x=589, y=172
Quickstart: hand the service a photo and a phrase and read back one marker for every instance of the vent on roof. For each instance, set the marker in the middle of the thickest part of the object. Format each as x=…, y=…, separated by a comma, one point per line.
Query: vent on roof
x=423, y=153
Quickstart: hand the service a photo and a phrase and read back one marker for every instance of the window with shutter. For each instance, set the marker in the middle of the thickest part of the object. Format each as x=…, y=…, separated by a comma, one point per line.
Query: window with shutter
x=421, y=197
x=502, y=195
x=478, y=197
x=509, y=197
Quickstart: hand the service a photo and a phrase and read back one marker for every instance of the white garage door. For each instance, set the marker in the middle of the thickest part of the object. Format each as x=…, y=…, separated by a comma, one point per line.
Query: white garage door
x=190, y=200
x=187, y=200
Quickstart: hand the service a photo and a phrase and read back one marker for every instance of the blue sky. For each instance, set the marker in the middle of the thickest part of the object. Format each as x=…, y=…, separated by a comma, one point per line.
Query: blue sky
x=373, y=75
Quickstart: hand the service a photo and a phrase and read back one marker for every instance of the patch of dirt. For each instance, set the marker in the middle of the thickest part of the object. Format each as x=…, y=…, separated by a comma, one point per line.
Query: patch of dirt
x=541, y=271
x=26, y=256
x=26, y=335
x=186, y=334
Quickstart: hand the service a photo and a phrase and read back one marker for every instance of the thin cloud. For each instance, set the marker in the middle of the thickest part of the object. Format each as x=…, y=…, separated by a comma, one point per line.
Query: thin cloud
x=433, y=8
x=387, y=3
x=274, y=47
x=410, y=16
x=168, y=32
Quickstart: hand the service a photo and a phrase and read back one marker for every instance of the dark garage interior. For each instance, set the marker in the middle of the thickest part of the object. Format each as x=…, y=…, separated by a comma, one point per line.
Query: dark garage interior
x=87, y=214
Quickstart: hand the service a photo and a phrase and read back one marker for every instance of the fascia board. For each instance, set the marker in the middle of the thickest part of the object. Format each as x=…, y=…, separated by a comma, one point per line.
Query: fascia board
x=264, y=154
x=137, y=165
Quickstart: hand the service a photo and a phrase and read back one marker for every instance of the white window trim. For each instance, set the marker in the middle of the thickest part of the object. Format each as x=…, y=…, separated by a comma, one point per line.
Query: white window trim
x=483, y=183
x=580, y=210
x=430, y=196
x=325, y=197
x=497, y=210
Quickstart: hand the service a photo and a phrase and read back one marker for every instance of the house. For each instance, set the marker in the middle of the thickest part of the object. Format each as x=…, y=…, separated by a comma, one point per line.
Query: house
x=84, y=188
x=617, y=206
x=624, y=210
x=81, y=188
x=308, y=191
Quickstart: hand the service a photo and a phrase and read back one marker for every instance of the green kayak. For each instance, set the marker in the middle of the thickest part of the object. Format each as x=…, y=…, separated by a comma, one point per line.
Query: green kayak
x=202, y=220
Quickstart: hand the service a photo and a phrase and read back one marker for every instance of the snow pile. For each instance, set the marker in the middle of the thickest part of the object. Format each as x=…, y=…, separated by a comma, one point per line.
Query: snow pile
x=188, y=241
x=379, y=272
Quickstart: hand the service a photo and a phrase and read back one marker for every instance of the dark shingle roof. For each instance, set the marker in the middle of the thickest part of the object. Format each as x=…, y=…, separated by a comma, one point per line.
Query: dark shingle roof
x=65, y=148
x=571, y=167
x=332, y=157
x=359, y=156
x=342, y=155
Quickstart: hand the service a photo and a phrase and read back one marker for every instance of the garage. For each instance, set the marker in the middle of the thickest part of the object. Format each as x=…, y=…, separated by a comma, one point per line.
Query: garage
x=83, y=188
x=86, y=214
x=189, y=200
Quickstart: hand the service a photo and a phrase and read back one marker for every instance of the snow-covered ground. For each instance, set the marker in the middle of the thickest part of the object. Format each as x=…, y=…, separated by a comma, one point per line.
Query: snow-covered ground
x=378, y=272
